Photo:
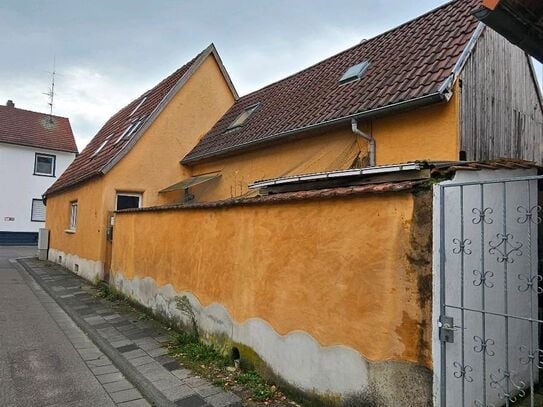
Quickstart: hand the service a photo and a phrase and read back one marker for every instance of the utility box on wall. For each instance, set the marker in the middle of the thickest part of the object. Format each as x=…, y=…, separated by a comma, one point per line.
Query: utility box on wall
x=43, y=243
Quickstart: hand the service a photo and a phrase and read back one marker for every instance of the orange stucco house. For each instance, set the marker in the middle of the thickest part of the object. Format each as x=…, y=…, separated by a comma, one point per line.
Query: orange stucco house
x=422, y=91
x=133, y=156
x=346, y=276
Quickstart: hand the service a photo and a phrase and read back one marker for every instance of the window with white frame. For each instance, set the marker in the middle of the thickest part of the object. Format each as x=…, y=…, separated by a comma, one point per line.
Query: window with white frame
x=44, y=164
x=73, y=216
x=38, y=211
x=128, y=200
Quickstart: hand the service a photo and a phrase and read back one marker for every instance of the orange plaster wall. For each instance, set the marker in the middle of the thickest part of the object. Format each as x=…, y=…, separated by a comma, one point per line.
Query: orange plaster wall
x=151, y=165
x=429, y=133
x=88, y=240
x=330, y=151
x=341, y=264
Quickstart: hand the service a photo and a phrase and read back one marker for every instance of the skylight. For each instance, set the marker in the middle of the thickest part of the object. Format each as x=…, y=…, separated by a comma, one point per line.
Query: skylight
x=354, y=72
x=138, y=106
x=99, y=148
x=243, y=116
x=127, y=133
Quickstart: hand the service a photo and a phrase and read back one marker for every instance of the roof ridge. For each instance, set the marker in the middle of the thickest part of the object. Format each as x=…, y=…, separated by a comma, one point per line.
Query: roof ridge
x=33, y=111
x=153, y=87
x=354, y=46
x=189, y=66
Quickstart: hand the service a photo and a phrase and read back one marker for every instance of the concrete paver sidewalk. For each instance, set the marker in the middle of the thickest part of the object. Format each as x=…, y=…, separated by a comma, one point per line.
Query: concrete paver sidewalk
x=135, y=346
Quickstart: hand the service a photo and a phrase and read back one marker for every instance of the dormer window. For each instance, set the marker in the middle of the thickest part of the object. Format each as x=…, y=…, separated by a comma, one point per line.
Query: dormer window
x=354, y=72
x=243, y=116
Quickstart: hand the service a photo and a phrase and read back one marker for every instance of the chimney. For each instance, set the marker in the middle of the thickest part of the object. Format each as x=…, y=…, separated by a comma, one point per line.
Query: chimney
x=10, y=103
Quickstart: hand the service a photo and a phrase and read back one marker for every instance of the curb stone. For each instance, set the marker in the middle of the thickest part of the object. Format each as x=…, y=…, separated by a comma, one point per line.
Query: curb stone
x=134, y=346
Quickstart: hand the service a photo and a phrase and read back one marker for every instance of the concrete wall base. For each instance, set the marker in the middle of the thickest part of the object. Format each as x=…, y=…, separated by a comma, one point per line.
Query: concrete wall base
x=331, y=372
x=90, y=270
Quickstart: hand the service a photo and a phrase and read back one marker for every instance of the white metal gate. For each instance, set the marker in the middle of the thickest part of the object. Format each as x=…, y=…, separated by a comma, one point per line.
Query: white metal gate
x=490, y=353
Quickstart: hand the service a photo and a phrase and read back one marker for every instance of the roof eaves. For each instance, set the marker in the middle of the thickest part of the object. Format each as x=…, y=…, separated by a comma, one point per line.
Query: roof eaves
x=75, y=184
x=457, y=69
x=431, y=98
x=64, y=150
x=159, y=108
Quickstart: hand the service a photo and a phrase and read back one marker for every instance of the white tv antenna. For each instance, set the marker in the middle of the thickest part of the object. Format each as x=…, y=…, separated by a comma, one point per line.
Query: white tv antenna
x=51, y=93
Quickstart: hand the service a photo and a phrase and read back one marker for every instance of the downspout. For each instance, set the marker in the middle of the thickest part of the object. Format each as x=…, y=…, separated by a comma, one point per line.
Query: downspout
x=368, y=137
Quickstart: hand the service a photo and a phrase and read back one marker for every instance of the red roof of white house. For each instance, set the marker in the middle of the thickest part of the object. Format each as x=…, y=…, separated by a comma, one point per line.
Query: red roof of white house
x=33, y=129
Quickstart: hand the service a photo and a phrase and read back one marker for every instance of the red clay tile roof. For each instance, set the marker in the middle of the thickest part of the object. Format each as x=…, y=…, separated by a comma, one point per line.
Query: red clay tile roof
x=33, y=129
x=107, y=144
x=411, y=61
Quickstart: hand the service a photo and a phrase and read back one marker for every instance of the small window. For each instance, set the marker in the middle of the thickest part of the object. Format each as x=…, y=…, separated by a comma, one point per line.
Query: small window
x=73, y=216
x=242, y=118
x=127, y=200
x=44, y=164
x=38, y=211
x=354, y=72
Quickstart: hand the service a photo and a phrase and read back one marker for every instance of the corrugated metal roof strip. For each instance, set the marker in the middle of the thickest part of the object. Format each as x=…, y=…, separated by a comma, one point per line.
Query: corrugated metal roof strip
x=438, y=167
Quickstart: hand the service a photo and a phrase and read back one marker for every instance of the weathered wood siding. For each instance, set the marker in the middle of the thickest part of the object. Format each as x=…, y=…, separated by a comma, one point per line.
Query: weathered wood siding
x=500, y=109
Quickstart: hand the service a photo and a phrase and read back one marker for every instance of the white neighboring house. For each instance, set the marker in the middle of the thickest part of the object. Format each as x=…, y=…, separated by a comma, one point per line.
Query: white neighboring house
x=35, y=148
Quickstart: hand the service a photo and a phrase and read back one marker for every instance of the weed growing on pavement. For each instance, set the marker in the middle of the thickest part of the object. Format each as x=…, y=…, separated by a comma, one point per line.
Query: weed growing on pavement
x=208, y=362
x=204, y=359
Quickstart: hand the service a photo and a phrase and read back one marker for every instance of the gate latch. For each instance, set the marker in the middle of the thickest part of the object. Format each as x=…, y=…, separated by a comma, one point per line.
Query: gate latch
x=446, y=329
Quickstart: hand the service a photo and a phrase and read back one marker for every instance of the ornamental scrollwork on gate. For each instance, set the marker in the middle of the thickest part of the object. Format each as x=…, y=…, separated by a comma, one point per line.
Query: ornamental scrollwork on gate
x=504, y=248
x=462, y=246
x=483, y=278
x=482, y=215
x=530, y=283
x=481, y=345
x=501, y=381
x=529, y=215
x=531, y=355
x=463, y=371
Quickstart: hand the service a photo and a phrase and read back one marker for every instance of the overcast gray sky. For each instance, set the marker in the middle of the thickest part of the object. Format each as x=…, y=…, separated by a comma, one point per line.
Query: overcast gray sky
x=108, y=52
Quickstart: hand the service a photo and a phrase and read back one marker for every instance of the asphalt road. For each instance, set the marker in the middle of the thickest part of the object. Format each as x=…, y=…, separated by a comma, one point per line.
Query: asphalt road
x=38, y=364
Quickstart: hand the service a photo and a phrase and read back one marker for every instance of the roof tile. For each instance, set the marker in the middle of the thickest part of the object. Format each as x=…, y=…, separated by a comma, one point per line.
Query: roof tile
x=33, y=129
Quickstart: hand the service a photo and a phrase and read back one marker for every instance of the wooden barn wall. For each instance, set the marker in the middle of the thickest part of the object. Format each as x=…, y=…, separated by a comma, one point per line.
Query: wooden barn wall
x=500, y=109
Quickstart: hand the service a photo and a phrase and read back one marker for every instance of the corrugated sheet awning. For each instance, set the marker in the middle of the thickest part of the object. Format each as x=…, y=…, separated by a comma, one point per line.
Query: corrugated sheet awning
x=192, y=181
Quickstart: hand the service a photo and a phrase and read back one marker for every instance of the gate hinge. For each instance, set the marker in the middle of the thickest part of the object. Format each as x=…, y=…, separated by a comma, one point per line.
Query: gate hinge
x=446, y=329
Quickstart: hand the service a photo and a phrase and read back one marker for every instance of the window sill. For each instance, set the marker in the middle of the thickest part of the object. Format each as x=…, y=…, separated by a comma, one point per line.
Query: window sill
x=44, y=175
x=70, y=231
